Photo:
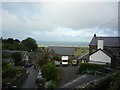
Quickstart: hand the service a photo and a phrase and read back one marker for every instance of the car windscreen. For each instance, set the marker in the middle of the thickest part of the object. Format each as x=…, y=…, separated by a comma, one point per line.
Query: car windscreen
x=39, y=76
x=64, y=60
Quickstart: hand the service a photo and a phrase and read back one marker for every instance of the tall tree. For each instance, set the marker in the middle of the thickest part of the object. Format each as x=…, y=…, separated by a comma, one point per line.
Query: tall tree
x=10, y=44
x=29, y=44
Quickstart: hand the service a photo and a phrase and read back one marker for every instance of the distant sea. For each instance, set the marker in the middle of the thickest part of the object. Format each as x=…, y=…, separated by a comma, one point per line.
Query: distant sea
x=61, y=43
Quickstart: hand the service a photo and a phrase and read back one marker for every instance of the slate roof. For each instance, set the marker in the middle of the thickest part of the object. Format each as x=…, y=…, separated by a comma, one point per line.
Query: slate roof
x=108, y=41
x=8, y=60
x=62, y=50
x=9, y=52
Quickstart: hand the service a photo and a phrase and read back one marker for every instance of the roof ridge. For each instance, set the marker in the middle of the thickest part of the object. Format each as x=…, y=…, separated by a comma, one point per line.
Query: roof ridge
x=107, y=37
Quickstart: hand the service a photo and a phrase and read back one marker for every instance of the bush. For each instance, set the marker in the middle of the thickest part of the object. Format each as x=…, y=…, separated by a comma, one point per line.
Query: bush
x=56, y=58
x=88, y=66
x=42, y=59
x=9, y=72
x=49, y=71
x=50, y=84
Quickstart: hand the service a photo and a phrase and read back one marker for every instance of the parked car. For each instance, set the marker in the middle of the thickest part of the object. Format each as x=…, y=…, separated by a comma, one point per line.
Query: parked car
x=28, y=65
x=57, y=63
x=39, y=72
x=75, y=62
x=14, y=86
x=40, y=80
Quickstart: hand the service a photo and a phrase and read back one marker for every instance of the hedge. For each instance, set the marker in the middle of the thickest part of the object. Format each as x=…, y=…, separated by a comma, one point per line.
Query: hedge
x=89, y=66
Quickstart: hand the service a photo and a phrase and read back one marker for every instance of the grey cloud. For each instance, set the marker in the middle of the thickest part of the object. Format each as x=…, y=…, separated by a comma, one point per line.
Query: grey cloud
x=74, y=15
x=81, y=15
x=74, y=19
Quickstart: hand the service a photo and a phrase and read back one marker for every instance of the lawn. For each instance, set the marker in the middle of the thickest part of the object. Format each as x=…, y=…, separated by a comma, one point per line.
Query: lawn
x=81, y=51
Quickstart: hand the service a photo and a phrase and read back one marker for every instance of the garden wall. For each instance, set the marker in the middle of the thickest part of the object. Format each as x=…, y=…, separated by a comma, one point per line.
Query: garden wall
x=103, y=83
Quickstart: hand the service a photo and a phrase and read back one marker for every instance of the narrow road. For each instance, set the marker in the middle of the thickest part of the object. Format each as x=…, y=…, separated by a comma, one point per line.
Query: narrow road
x=80, y=81
x=68, y=73
x=29, y=82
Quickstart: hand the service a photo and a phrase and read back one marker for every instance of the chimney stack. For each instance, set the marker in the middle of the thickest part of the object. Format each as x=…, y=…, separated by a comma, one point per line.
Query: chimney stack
x=100, y=44
x=94, y=35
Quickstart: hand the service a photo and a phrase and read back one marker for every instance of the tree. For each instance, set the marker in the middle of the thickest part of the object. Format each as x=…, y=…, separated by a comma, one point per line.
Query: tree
x=49, y=71
x=18, y=58
x=10, y=40
x=10, y=44
x=16, y=40
x=29, y=44
x=8, y=70
x=42, y=59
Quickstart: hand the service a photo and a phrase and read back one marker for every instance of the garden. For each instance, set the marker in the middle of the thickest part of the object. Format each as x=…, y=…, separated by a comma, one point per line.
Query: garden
x=91, y=68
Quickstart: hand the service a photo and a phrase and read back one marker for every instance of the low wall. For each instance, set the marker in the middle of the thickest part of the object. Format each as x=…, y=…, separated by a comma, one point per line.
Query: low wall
x=102, y=83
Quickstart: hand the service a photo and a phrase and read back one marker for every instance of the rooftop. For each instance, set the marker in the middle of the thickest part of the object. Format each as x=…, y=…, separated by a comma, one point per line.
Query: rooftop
x=62, y=50
x=108, y=41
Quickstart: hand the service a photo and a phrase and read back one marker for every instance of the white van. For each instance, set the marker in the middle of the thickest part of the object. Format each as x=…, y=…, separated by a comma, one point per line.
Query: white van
x=64, y=60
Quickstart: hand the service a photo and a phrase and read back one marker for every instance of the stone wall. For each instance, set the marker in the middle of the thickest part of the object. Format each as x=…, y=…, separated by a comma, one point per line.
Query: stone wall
x=99, y=84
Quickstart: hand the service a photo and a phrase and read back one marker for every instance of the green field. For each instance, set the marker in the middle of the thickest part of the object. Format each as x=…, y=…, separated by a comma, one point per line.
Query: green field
x=81, y=51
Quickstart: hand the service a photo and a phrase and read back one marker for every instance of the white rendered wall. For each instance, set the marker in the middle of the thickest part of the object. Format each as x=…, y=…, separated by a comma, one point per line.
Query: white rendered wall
x=100, y=44
x=100, y=56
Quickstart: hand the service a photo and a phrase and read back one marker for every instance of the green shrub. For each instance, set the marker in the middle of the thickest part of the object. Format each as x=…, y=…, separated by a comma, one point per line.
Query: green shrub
x=5, y=80
x=42, y=59
x=88, y=66
x=49, y=71
x=50, y=84
x=9, y=72
x=56, y=58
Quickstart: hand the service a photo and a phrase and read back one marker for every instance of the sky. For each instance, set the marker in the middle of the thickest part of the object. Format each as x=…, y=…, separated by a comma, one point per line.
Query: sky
x=59, y=21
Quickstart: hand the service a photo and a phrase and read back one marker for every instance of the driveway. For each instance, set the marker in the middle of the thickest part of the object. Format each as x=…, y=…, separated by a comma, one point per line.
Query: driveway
x=68, y=73
x=29, y=82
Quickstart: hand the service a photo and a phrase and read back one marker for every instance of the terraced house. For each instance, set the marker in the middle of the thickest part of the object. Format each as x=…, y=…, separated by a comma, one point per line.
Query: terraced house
x=8, y=53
